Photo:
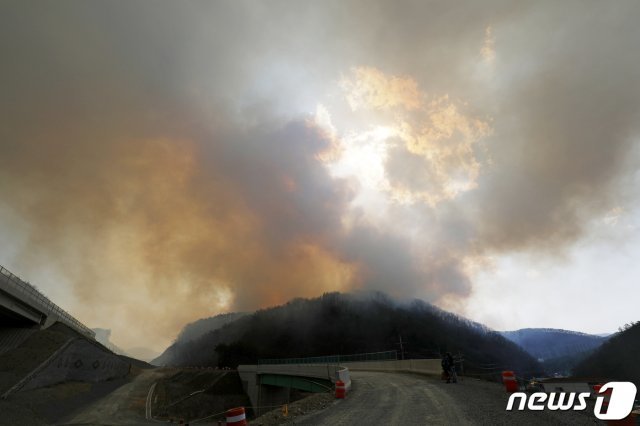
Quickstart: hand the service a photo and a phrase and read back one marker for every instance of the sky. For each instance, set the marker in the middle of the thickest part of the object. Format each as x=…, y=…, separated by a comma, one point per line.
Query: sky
x=166, y=161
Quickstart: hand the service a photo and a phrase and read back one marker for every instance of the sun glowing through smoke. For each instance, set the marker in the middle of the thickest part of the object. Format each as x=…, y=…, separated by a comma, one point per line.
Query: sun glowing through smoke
x=401, y=143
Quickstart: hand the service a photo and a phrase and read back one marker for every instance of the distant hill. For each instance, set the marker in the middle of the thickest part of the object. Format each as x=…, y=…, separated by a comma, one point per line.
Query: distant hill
x=346, y=324
x=141, y=353
x=194, y=331
x=617, y=359
x=558, y=350
x=103, y=336
x=548, y=343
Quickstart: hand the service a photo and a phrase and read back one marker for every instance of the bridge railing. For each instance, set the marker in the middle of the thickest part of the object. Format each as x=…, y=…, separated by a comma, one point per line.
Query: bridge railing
x=38, y=299
x=334, y=359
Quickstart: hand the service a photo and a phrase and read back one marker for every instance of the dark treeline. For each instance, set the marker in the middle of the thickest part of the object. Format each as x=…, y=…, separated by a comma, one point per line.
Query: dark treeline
x=347, y=324
x=616, y=359
x=200, y=327
x=564, y=365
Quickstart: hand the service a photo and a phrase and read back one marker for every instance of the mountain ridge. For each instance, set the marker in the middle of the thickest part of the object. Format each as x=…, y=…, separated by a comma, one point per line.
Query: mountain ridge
x=338, y=323
x=548, y=343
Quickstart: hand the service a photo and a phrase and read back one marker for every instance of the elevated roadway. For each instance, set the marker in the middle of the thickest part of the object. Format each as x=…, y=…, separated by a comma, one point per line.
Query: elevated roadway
x=21, y=304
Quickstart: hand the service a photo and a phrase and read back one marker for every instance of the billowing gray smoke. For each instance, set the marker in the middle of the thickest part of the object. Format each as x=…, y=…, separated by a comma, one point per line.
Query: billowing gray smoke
x=163, y=158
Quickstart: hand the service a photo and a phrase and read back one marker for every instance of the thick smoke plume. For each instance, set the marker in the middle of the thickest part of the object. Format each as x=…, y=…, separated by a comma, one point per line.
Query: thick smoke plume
x=164, y=161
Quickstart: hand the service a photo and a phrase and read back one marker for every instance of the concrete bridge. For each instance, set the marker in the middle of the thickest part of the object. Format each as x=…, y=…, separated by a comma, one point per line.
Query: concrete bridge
x=21, y=304
x=269, y=385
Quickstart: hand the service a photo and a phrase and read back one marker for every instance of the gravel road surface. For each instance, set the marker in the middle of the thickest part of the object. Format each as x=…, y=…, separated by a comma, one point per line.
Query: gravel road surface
x=406, y=399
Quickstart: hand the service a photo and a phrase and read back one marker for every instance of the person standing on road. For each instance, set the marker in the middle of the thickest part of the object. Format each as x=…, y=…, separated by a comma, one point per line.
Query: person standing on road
x=449, y=368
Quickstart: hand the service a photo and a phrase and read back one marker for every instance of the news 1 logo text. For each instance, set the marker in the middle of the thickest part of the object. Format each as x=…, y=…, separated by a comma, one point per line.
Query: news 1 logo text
x=614, y=401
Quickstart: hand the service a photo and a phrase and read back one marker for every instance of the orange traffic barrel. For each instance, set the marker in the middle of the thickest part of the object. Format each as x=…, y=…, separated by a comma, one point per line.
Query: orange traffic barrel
x=236, y=417
x=510, y=381
x=341, y=390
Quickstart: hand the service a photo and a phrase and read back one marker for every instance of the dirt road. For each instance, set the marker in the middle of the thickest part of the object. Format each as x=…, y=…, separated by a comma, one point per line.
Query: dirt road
x=127, y=405
x=157, y=395
x=375, y=399
x=404, y=399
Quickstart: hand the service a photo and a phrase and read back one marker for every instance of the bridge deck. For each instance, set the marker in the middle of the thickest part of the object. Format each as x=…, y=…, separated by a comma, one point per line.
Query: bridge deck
x=25, y=300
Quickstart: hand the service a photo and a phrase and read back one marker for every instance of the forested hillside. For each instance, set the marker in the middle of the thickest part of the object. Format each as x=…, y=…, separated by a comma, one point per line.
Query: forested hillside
x=194, y=331
x=617, y=359
x=346, y=324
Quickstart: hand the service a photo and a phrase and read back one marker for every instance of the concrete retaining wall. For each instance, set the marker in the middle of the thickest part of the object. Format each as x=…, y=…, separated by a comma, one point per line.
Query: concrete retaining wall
x=78, y=360
x=423, y=366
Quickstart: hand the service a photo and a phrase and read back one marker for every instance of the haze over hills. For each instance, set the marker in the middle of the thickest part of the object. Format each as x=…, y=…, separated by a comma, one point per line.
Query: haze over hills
x=547, y=343
x=194, y=331
x=103, y=336
x=141, y=353
x=344, y=324
x=558, y=350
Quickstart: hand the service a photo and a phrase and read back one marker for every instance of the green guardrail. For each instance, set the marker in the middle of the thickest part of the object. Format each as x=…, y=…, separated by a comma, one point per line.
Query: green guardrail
x=334, y=359
x=307, y=384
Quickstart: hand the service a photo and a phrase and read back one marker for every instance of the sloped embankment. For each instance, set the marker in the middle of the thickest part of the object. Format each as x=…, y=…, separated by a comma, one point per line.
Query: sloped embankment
x=20, y=361
x=53, y=372
x=58, y=355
